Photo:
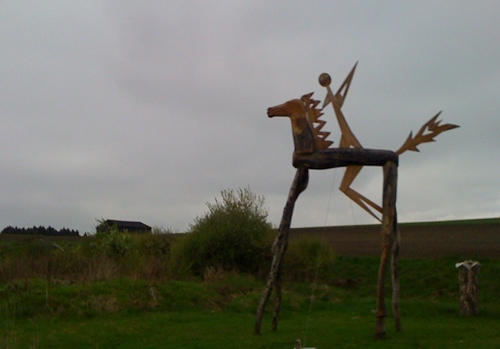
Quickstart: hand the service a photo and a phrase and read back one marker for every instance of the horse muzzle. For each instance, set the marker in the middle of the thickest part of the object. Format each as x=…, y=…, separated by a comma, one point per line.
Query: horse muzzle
x=278, y=110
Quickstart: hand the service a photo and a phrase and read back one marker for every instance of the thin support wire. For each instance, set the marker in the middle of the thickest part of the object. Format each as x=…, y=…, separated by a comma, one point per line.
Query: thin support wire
x=318, y=260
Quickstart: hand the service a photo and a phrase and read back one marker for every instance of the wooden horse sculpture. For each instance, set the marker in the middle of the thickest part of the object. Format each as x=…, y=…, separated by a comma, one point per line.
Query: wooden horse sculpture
x=312, y=151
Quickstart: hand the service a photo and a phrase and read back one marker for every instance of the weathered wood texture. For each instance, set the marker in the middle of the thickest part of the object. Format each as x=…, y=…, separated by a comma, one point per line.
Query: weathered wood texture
x=396, y=289
x=390, y=247
x=469, y=291
x=342, y=157
x=279, y=248
x=389, y=232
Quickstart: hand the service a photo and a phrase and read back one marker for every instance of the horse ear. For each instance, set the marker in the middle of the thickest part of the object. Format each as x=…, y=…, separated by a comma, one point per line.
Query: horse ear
x=306, y=97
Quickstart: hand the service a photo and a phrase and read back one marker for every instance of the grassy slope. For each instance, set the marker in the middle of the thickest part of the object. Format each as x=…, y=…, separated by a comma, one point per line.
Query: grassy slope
x=220, y=314
x=476, y=221
x=129, y=314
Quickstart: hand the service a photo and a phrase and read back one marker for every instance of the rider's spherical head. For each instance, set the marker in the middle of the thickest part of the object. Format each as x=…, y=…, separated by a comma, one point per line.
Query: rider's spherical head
x=325, y=80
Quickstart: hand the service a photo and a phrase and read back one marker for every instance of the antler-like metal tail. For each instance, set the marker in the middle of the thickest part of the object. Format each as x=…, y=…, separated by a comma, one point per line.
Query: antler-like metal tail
x=426, y=134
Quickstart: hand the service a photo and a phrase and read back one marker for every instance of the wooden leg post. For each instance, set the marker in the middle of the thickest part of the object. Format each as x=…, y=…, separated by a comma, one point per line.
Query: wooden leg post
x=388, y=231
x=395, y=277
x=279, y=248
x=277, y=308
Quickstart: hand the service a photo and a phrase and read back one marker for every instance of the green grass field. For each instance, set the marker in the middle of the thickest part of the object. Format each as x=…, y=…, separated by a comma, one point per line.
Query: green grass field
x=118, y=290
x=219, y=313
x=349, y=325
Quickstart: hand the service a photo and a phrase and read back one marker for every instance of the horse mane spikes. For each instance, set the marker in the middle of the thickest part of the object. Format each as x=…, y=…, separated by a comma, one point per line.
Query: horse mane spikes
x=314, y=114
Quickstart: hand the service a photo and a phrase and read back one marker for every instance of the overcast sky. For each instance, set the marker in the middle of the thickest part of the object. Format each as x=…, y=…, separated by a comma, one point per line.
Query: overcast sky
x=147, y=110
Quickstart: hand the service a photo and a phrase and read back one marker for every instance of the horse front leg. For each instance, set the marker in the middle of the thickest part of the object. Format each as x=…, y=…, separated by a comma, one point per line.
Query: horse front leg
x=277, y=307
x=279, y=248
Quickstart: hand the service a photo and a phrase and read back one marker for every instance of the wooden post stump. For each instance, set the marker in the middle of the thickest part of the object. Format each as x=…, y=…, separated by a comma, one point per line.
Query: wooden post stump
x=469, y=291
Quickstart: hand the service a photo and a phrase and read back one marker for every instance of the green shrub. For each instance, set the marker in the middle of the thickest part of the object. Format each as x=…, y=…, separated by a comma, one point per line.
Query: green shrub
x=156, y=244
x=233, y=235
x=114, y=243
x=31, y=258
x=308, y=258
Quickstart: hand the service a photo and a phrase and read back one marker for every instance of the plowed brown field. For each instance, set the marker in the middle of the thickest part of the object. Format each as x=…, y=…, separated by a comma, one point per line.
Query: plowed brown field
x=471, y=239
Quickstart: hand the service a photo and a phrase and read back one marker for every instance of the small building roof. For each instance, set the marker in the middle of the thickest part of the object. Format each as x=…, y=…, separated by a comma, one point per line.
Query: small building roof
x=126, y=225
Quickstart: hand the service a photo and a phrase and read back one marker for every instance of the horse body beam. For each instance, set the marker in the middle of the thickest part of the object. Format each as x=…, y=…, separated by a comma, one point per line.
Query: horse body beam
x=342, y=157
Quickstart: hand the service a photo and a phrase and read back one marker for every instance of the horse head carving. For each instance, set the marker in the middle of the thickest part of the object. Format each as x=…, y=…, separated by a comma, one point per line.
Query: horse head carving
x=306, y=123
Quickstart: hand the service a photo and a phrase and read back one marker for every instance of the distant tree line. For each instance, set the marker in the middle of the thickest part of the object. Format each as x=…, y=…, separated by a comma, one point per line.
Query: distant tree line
x=41, y=230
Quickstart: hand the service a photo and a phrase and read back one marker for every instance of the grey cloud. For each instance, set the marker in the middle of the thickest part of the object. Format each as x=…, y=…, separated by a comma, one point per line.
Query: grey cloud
x=147, y=111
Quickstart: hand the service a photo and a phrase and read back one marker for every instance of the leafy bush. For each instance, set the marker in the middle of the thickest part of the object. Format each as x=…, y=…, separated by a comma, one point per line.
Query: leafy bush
x=308, y=258
x=233, y=235
x=156, y=244
x=114, y=243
